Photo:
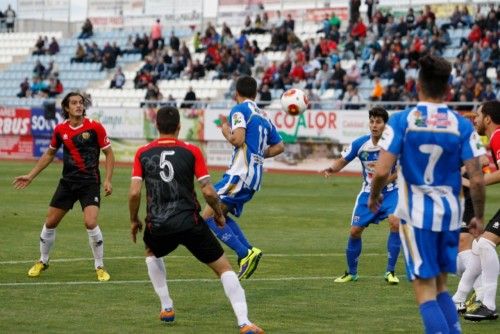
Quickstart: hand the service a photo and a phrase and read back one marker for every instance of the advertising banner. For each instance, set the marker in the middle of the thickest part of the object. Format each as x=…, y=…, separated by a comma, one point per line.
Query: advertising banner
x=15, y=122
x=312, y=139
x=192, y=124
x=103, y=8
x=16, y=147
x=42, y=127
x=340, y=126
x=40, y=145
x=119, y=122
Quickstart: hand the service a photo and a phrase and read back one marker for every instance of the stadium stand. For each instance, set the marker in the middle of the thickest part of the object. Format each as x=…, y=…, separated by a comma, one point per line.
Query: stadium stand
x=279, y=56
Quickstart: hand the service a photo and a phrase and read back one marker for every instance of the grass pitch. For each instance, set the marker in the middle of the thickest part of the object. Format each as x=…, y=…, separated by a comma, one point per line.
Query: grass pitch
x=301, y=223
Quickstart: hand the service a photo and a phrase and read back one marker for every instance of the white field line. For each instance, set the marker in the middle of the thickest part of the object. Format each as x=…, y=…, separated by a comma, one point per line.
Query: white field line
x=184, y=257
x=182, y=280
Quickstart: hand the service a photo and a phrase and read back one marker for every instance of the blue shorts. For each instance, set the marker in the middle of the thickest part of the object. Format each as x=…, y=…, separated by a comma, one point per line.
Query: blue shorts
x=428, y=253
x=363, y=216
x=233, y=193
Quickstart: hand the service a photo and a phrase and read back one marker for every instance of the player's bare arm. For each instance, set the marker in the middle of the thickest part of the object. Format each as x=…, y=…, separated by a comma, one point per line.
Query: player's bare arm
x=21, y=182
x=212, y=199
x=477, y=192
x=134, y=202
x=109, y=165
x=274, y=150
x=383, y=168
x=337, y=166
x=236, y=137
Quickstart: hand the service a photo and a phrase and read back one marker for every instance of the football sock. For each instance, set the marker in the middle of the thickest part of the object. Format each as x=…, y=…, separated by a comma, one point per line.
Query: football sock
x=462, y=261
x=97, y=245
x=433, y=318
x=158, y=276
x=227, y=236
x=352, y=253
x=478, y=287
x=490, y=270
x=393, y=247
x=449, y=311
x=47, y=238
x=236, y=296
x=237, y=230
x=470, y=275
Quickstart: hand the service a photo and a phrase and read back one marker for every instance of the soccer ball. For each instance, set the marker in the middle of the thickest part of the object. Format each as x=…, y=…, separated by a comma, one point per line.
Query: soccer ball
x=294, y=101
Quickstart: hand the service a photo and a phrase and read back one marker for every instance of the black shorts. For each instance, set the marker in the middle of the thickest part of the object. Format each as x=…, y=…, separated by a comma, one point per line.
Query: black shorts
x=494, y=224
x=468, y=215
x=199, y=240
x=67, y=193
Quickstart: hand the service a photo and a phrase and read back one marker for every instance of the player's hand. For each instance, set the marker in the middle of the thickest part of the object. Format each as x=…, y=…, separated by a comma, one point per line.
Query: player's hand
x=21, y=182
x=476, y=227
x=135, y=226
x=374, y=203
x=465, y=182
x=223, y=119
x=220, y=220
x=327, y=172
x=108, y=188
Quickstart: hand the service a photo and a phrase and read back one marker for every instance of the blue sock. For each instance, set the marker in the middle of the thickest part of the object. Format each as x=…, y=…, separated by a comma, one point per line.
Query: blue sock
x=227, y=236
x=352, y=253
x=393, y=247
x=450, y=312
x=237, y=230
x=433, y=318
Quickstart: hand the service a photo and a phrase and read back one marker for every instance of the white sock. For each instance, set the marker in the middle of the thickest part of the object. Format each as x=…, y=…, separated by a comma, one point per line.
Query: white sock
x=236, y=296
x=490, y=269
x=47, y=238
x=472, y=271
x=158, y=276
x=97, y=245
x=478, y=288
x=462, y=260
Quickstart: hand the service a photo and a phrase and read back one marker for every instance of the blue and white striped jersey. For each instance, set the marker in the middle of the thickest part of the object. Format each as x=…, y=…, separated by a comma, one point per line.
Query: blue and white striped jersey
x=432, y=142
x=367, y=152
x=247, y=161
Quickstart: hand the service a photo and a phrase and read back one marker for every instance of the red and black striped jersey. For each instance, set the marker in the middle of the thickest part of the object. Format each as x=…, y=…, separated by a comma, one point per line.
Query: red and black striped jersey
x=168, y=167
x=81, y=146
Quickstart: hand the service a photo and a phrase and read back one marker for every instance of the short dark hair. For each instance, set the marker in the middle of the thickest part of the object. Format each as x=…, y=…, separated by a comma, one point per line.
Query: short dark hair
x=246, y=86
x=379, y=112
x=167, y=119
x=65, y=103
x=492, y=109
x=434, y=75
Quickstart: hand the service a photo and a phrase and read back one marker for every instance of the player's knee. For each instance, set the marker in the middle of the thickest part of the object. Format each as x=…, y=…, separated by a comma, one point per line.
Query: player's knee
x=465, y=241
x=356, y=232
x=90, y=224
x=220, y=266
x=393, y=223
x=485, y=245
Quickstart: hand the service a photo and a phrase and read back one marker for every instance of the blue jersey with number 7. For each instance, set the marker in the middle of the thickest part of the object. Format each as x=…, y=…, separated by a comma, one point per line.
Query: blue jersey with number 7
x=432, y=142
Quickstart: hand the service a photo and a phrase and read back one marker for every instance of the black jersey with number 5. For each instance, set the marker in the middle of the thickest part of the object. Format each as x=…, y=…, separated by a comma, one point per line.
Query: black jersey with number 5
x=168, y=167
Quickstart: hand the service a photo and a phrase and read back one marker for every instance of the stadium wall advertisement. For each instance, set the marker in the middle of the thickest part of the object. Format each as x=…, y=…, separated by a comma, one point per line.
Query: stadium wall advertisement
x=312, y=139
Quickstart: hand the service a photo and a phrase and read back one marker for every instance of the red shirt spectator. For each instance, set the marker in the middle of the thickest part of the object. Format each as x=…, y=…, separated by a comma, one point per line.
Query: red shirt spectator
x=156, y=30
x=327, y=45
x=298, y=72
x=475, y=34
x=213, y=51
x=359, y=29
x=300, y=56
x=269, y=73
